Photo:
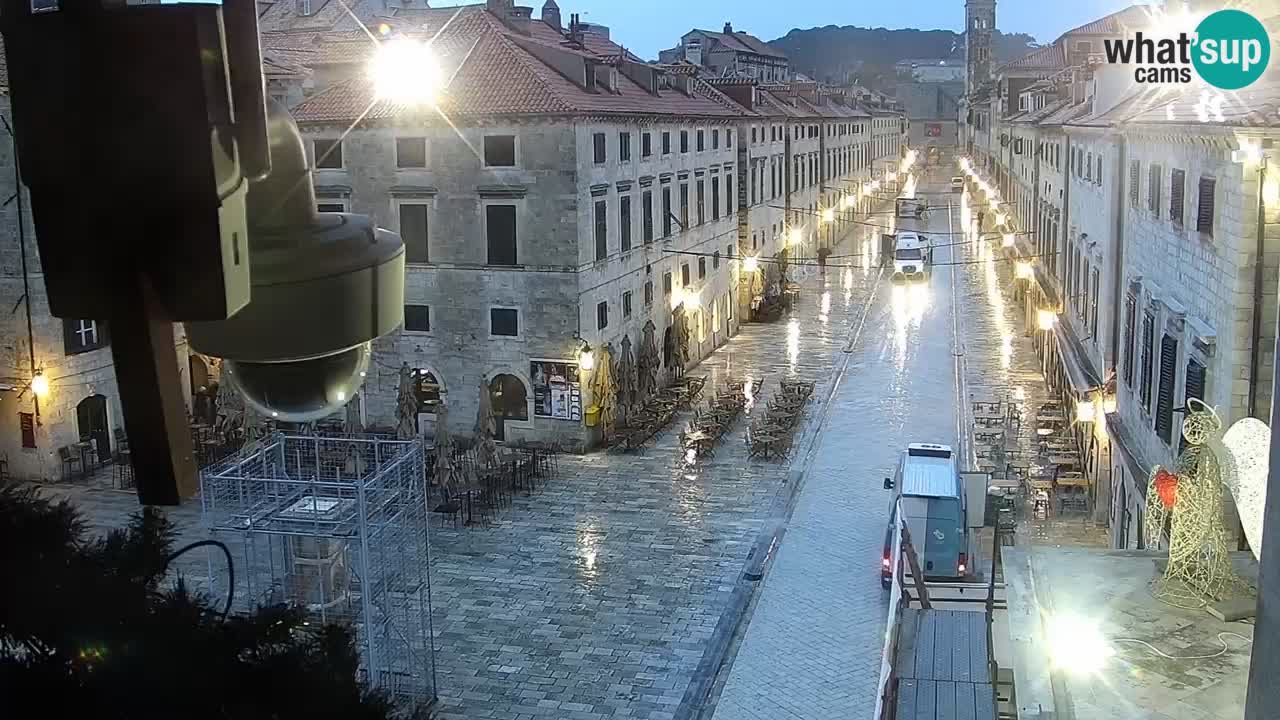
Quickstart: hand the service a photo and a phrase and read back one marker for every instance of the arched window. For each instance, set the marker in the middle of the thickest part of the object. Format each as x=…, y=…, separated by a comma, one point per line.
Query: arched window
x=427, y=389
x=509, y=397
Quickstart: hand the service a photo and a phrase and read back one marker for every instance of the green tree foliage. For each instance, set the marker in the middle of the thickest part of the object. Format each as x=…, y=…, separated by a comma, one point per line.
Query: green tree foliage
x=840, y=54
x=89, y=628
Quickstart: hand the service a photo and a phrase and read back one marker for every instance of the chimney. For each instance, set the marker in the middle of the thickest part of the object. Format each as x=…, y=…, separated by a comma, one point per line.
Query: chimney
x=551, y=14
x=575, y=32
x=499, y=7
x=728, y=28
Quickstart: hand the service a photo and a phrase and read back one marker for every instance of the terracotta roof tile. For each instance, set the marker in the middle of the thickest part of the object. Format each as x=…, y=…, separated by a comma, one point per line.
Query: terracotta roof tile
x=1257, y=106
x=1115, y=23
x=1046, y=58
x=743, y=42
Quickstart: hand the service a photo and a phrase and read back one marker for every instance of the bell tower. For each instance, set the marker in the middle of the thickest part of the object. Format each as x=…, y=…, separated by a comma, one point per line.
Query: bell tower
x=979, y=23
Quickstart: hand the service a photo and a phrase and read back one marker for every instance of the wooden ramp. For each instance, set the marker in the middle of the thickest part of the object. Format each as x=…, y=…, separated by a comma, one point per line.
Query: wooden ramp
x=943, y=667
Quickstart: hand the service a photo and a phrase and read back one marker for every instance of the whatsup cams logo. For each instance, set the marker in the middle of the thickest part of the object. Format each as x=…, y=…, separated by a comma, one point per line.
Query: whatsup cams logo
x=1229, y=50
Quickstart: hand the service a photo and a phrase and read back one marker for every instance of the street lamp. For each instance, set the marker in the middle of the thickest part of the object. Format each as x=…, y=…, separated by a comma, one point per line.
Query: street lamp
x=1046, y=319
x=40, y=384
x=1008, y=239
x=750, y=264
x=586, y=357
x=828, y=215
x=795, y=236
x=1023, y=271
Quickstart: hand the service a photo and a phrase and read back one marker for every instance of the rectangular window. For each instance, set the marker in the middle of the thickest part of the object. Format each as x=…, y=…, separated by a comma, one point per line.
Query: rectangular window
x=715, y=260
x=1093, y=305
x=413, y=230
x=624, y=147
x=715, y=139
x=715, y=198
x=1153, y=190
x=1177, y=190
x=728, y=194
x=598, y=149
x=504, y=322
x=602, y=229
x=624, y=221
x=500, y=225
x=666, y=284
x=1205, y=205
x=646, y=223
x=411, y=152
x=646, y=145
x=27, y=422
x=666, y=211
x=684, y=141
x=702, y=268
x=626, y=304
x=666, y=143
x=417, y=318
x=728, y=137
x=1135, y=175
x=330, y=207
x=1194, y=388
x=602, y=315
x=702, y=140
x=1164, y=401
x=753, y=133
x=648, y=293
x=328, y=154
x=702, y=201
x=80, y=336
x=1148, y=358
x=685, y=278
x=1130, y=321
x=684, y=206
x=499, y=150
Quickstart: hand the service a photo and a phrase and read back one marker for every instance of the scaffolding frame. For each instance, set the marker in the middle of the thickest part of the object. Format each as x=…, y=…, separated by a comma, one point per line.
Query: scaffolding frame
x=338, y=525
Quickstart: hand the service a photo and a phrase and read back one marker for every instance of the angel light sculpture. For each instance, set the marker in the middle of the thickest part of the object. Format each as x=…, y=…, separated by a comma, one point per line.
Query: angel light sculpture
x=1186, y=505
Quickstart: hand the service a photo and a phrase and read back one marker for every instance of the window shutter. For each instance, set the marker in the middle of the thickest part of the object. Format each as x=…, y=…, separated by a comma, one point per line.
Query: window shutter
x=1177, y=189
x=1153, y=189
x=1148, y=358
x=1204, y=210
x=1130, y=319
x=1164, y=402
x=1194, y=389
x=1135, y=178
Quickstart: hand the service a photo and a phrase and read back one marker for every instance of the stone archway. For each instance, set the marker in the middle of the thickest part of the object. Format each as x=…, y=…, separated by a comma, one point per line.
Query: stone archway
x=509, y=398
x=92, y=423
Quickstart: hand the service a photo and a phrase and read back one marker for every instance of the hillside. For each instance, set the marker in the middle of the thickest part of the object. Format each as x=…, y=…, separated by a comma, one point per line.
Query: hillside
x=835, y=54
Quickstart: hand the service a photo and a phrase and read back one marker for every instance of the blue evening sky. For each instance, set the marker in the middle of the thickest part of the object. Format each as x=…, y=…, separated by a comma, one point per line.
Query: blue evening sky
x=646, y=26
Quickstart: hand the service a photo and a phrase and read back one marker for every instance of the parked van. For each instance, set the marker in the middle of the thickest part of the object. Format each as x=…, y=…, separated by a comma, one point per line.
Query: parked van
x=911, y=256
x=933, y=497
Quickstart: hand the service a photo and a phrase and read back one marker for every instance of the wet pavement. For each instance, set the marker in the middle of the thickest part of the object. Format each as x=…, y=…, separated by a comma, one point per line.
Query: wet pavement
x=600, y=595
x=813, y=645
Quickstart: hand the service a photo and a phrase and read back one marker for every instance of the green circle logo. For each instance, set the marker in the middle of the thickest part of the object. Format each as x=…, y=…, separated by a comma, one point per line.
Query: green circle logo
x=1231, y=49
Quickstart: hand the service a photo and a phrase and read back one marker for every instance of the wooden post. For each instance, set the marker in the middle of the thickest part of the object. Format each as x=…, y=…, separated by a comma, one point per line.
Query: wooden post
x=917, y=577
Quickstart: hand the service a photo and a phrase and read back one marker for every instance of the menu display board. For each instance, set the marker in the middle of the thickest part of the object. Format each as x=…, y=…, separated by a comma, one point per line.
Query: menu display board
x=557, y=394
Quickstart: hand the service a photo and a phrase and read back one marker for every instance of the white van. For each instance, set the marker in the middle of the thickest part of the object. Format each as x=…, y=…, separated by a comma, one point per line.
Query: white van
x=934, y=507
x=911, y=256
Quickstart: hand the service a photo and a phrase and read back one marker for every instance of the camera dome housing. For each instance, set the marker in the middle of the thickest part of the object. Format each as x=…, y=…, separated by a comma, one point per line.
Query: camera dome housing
x=322, y=287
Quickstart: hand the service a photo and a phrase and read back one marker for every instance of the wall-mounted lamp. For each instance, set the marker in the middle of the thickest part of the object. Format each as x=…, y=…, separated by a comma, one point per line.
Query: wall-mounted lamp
x=1046, y=319
x=1008, y=240
x=1023, y=271
x=750, y=263
x=828, y=215
x=586, y=357
x=40, y=384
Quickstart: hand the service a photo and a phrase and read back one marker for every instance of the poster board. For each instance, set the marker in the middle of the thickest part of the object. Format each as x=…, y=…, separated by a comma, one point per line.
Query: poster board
x=557, y=392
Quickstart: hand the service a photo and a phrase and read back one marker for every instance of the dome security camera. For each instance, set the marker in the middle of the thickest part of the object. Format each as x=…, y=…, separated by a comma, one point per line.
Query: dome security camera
x=323, y=287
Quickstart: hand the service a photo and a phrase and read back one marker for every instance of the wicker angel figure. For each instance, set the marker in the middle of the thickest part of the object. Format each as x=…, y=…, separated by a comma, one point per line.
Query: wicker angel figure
x=1184, y=507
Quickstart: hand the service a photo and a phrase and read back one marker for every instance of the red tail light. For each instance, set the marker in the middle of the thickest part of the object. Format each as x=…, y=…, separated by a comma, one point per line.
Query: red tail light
x=963, y=564
x=884, y=562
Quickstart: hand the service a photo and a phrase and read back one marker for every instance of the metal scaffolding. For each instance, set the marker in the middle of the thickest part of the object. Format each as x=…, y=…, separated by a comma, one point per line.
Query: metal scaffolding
x=337, y=525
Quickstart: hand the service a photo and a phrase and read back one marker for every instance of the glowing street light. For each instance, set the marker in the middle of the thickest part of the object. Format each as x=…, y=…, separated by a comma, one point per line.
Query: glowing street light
x=891, y=176
x=1086, y=411
x=1046, y=319
x=795, y=236
x=1001, y=219
x=586, y=358
x=750, y=264
x=828, y=215
x=1022, y=270
x=1008, y=240
x=40, y=384
x=847, y=201
x=405, y=71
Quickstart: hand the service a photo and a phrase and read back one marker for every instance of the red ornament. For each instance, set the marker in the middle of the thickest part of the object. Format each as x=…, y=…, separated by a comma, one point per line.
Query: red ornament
x=1167, y=487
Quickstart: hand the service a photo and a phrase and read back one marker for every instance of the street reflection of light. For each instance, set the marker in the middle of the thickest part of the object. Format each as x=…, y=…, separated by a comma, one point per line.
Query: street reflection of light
x=748, y=394
x=909, y=305
x=1006, y=351
x=1019, y=394
x=826, y=306
x=846, y=280
x=691, y=456
x=867, y=257
x=793, y=342
x=588, y=547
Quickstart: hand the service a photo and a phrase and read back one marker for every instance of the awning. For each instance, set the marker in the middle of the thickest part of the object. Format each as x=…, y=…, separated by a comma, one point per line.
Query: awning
x=1079, y=368
x=1132, y=458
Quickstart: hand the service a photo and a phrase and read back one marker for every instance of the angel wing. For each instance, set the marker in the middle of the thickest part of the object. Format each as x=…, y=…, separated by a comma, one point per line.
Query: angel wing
x=1245, y=458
